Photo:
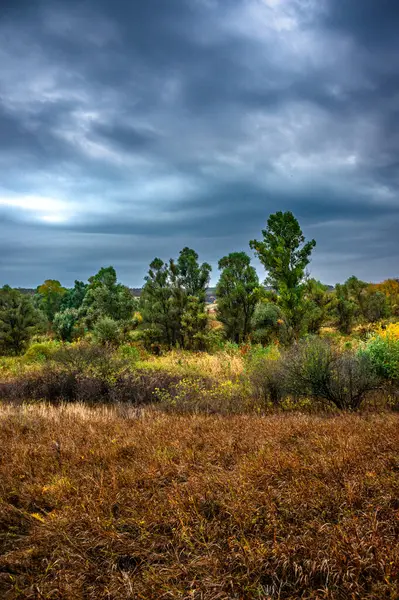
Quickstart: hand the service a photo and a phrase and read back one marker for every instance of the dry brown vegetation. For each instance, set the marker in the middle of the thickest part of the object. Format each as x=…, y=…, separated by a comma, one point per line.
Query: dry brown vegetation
x=114, y=503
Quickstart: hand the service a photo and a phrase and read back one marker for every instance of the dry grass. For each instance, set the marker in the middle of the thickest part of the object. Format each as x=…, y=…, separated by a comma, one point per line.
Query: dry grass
x=221, y=365
x=111, y=503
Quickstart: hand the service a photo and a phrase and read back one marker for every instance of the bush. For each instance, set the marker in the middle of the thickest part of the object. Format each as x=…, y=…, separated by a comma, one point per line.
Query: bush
x=313, y=368
x=41, y=351
x=55, y=384
x=268, y=324
x=106, y=332
x=202, y=395
x=263, y=368
x=383, y=353
x=89, y=359
x=132, y=353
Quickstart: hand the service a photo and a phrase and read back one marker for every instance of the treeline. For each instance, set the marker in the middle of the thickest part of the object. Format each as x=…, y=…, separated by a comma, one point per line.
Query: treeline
x=171, y=310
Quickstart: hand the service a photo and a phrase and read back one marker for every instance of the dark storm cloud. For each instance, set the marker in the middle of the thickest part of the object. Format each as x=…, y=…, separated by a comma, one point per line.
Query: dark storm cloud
x=131, y=129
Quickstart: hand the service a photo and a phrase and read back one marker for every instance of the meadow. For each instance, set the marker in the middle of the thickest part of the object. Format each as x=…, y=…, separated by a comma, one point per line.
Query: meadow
x=117, y=502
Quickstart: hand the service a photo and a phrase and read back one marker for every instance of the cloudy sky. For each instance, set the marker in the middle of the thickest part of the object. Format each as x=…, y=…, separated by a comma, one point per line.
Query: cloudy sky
x=132, y=128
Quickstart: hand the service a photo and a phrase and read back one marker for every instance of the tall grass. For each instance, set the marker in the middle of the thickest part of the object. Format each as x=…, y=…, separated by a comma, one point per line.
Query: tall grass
x=117, y=503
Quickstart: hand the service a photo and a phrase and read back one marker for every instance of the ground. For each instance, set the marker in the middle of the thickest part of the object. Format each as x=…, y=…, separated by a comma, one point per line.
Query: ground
x=116, y=503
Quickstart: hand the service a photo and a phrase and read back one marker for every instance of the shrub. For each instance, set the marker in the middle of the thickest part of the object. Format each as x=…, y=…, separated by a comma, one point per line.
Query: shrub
x=89, y=359
x=383, y=352
x=129, y=352
x=65, y=324
x=106, y=332
x=263, y=368
x=202, y=395
x=268, y=324
x=41, y=351
x=314, y=368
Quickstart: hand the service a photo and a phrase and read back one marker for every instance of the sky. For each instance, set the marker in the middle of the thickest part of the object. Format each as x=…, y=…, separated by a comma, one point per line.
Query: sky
x=130, y=129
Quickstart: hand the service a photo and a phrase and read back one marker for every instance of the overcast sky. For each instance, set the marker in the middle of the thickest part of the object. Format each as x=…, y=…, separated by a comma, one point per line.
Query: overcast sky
x=132, y=128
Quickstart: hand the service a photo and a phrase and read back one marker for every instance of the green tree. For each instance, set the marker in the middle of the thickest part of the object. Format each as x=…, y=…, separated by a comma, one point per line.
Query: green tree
x=285, y=255
x=189, y=279
x=156, y=303
x=65, y=324
x=105, y=297
x=237, y=294
x=194, y=325
x=18, y=321
x=318, y=304
x=75, y=296
x=166, y=296
x=49, y=297
x=345, y=309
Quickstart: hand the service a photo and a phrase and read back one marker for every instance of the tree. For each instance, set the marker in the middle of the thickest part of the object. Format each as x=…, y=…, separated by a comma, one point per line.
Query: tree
x=237, y=294
x=285, y=255
x=73, y=298
x=49, y=297
x=106, y=332
x=65, y=323
x=105, y=297
x=156, y=303
x=345, y=309
x=319, y=301
x=390, y=289
x=194, y=325
x=18, y=321
x=168, y=290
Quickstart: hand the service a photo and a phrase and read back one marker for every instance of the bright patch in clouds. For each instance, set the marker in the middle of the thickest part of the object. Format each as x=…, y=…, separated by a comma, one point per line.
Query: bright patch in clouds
x=45, y=209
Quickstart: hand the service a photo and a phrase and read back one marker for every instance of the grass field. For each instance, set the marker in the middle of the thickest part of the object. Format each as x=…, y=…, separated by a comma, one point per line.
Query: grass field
x=116, y=503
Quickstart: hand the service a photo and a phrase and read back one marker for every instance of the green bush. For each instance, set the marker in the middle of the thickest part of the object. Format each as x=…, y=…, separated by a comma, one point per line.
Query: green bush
x=106, y=332
x=41, y=351
x=383, y=352
x=132, y=353
x=313, y=368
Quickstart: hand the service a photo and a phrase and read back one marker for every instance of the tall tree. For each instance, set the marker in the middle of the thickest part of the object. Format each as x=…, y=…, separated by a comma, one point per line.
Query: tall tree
x=237, y=294
x=319, y=302
x=173, y=299
x=156, y=303
x=285, y=255
x=105, y=297
x=49, y=297
x=74, y=297
x=18, y=321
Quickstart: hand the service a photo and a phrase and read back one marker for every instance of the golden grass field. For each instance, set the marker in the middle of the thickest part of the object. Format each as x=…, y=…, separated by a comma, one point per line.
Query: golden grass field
x=114, y=503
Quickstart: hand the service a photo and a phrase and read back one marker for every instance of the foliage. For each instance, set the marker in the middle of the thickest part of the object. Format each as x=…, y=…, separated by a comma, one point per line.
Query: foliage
x=65, y=324
x=49, y=297
x=314, y=368
x=318, y=305
x=357, y=300
x=172, y=303
x=237, y=294
x=390, y=289
x=105, y=297
x=268, y=324
x=383, y=351
x=106, y=331
x=285, y=255
x=41, y=351
x=18, y=321
x=345, y=309
x=74, y=297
